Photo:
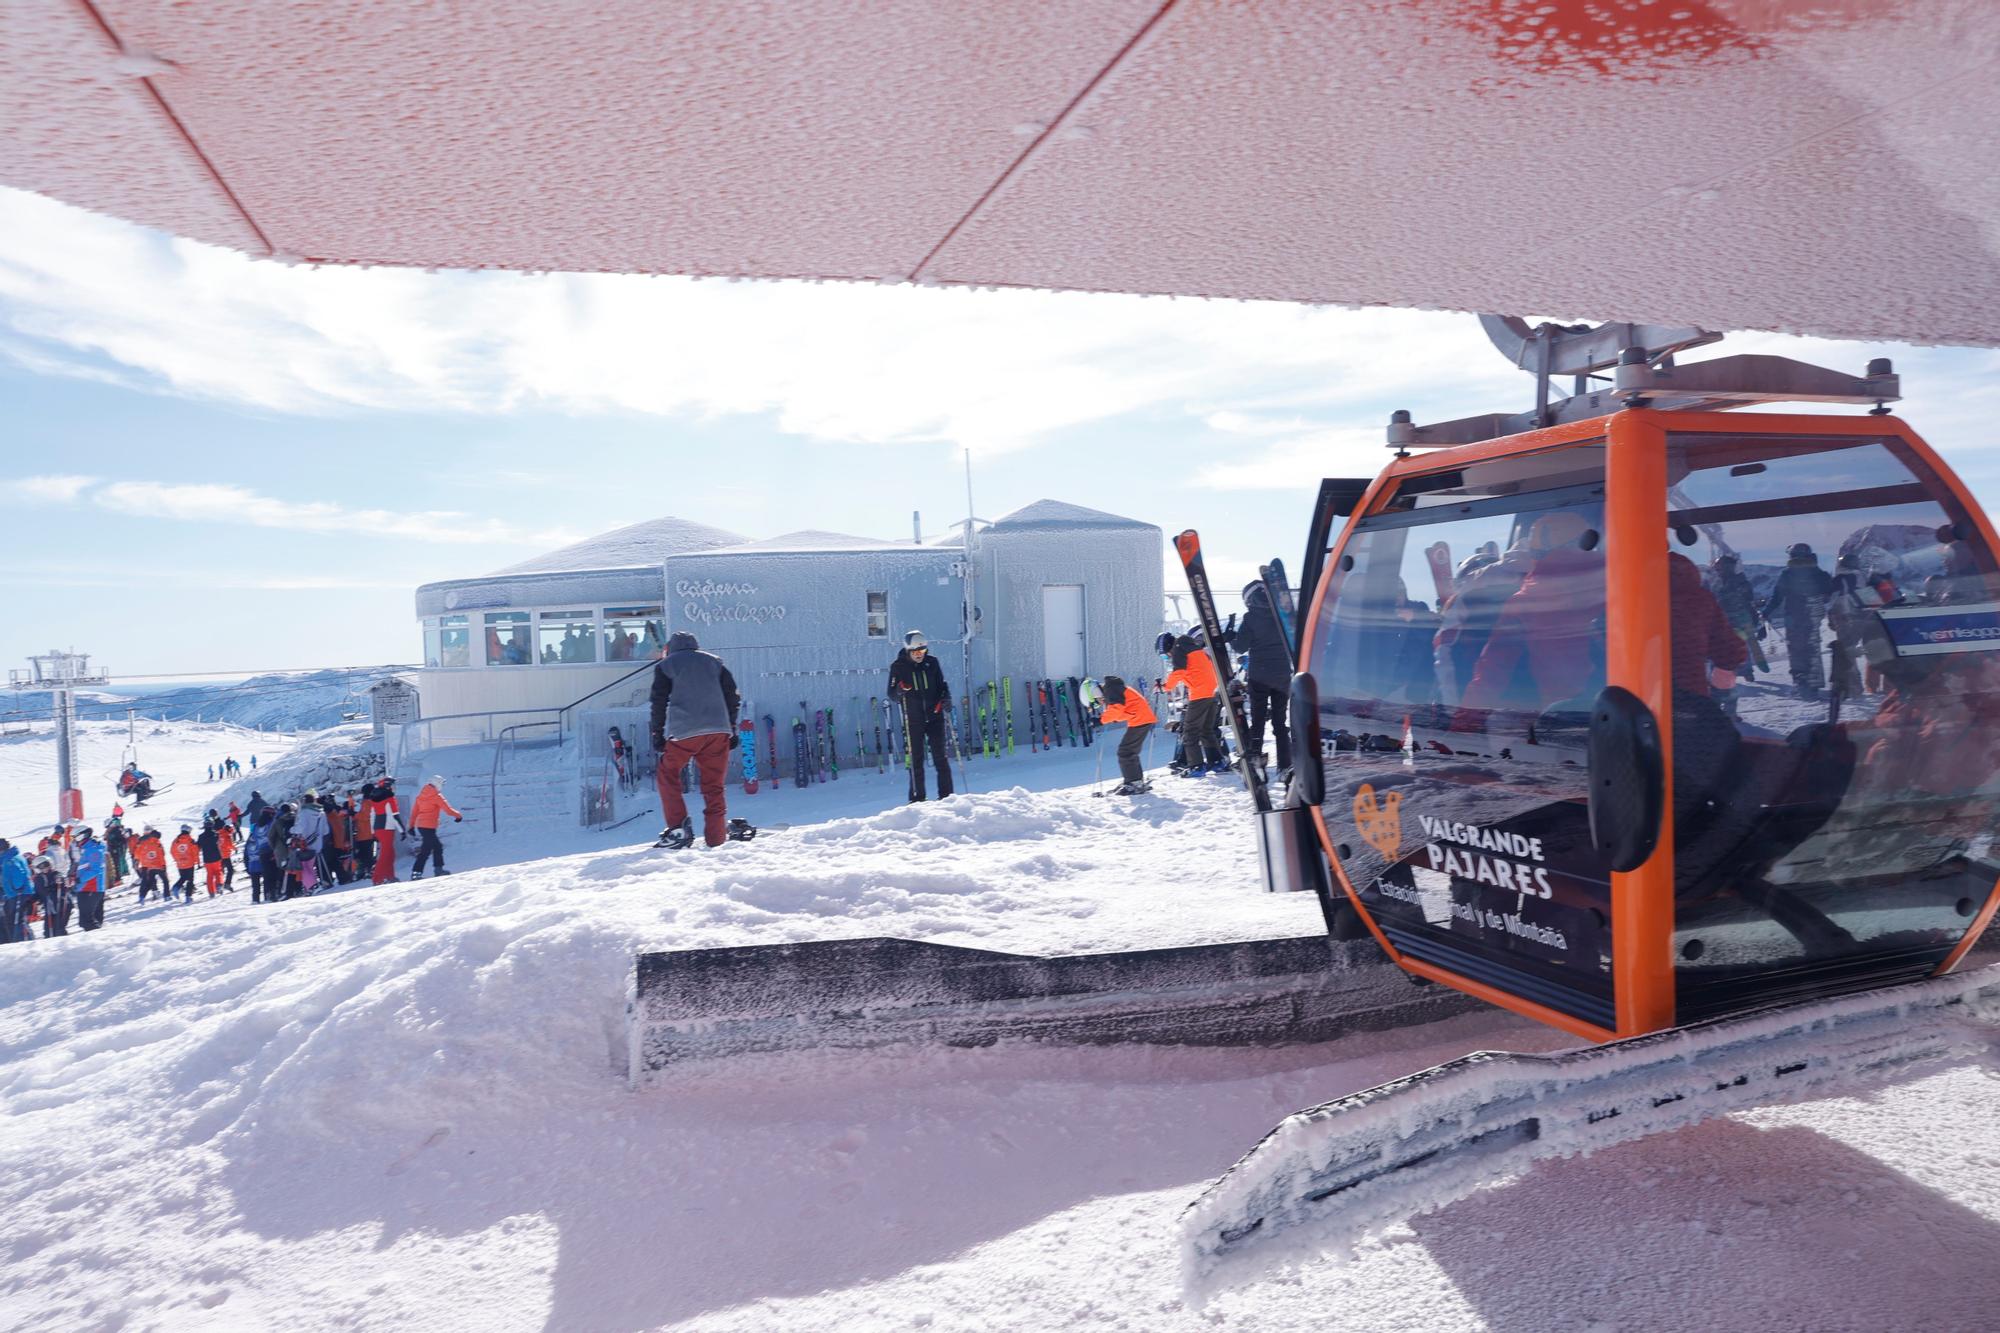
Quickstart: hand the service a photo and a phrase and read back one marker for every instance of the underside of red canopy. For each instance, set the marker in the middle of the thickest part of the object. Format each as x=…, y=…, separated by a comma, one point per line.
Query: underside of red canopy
x=1831, y=168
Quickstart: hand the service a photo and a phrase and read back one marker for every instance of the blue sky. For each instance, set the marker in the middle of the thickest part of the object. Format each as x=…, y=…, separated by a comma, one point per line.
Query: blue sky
x=210, y=463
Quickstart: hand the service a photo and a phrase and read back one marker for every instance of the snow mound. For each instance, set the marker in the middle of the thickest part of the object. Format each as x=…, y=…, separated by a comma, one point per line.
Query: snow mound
x=336, y=759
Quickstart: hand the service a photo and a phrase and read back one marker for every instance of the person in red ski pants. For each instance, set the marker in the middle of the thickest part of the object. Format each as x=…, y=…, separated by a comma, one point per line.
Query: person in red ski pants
x=383, y=817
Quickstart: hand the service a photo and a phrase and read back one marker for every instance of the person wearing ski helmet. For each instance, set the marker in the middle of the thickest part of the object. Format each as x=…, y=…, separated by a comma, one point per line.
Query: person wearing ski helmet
x=1267, y=671
x=1798, y=602
x=424, y=814
x=1201, y=735
x=149, y=855
x=1738, y=600
x=918, y=683
x=209, y=842
x=694, y=708
x=89, y=880
x=186, y=854
x=117, y=846
x=1122, y=703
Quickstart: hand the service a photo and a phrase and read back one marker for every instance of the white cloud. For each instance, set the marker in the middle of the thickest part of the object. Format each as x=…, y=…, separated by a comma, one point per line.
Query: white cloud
x=211, y=502
x=1296, y=461
x=839, y=362
x=53, y=489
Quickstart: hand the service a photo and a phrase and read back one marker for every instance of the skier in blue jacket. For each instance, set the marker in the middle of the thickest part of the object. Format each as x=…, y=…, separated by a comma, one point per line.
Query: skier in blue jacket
x=89, y=880
x=17, y=890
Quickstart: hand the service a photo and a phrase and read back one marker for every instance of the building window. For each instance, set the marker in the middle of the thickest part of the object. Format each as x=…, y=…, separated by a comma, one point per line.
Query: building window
x=567, y=636
x=507, y=639
x=878, y=615
x=634, y=633
x=448, y=642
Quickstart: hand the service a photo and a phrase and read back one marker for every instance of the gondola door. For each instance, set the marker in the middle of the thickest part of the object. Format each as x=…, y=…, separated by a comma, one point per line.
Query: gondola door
x=1459, y=643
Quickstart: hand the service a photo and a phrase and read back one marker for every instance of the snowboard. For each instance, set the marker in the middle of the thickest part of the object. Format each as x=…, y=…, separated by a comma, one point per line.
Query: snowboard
x=749, y=748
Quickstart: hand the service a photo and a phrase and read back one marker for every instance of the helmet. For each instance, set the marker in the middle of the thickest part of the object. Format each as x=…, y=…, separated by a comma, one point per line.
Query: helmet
x=435, y=781
x=1165, y=643
x=83, y=832
x=914, y=638
x=1801, y=551
x=185, y=828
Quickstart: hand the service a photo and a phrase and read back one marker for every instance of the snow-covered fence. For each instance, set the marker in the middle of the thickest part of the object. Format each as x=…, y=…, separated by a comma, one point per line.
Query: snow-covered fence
x=699, y=1005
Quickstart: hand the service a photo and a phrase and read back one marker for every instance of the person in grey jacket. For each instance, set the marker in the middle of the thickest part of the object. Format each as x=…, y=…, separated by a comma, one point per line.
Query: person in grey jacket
x=694, y=708
x=309, y=832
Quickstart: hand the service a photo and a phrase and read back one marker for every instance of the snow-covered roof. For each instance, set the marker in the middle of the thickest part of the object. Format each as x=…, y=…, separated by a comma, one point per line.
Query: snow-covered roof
x=1058, y=514
x=635, y=546
x=1827, y=169
x=809, y=539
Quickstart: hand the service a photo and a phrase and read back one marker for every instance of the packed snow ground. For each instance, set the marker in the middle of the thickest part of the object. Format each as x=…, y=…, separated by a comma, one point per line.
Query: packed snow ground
x=404, y=1107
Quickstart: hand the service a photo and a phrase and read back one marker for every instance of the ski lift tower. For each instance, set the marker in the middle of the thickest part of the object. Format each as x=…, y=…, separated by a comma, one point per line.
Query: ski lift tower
x=61, y=674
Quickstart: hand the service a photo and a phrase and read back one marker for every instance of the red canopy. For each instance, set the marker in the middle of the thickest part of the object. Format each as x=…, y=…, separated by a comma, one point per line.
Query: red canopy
x=1829, y=169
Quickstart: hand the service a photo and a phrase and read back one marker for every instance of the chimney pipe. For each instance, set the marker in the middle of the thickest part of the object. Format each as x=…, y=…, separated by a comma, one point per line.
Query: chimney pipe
x=917, y=526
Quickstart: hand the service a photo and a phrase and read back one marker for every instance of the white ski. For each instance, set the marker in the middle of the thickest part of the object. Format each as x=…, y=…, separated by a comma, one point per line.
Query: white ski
x=1327, y=1178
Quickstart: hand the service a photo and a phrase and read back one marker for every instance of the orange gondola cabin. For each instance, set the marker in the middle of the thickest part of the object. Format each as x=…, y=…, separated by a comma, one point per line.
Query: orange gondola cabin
x=1638, y=710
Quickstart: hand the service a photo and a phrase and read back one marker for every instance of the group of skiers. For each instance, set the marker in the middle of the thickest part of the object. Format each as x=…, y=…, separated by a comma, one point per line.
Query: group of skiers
x=290, y=849
x=228, y=769
x=696, y=711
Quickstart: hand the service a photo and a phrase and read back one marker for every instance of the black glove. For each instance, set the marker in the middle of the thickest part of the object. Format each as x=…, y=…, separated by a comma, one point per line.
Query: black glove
x=458, y=819
x=1230, y=628
x=735, y=740
x=1763, y=631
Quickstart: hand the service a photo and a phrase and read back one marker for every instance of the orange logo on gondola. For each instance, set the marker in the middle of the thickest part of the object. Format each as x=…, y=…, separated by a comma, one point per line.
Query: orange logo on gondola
x=1381, y=824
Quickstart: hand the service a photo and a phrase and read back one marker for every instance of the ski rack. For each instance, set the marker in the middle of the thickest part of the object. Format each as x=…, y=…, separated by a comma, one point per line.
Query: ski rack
x=696, y=1008
x=1641, y=359
x=1329, y=1177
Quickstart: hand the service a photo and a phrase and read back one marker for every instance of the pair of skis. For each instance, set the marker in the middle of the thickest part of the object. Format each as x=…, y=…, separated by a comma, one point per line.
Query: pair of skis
x=1188, y=546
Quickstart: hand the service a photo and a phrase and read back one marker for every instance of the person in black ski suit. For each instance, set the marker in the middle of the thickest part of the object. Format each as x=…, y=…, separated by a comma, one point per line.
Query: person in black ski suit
x=1800, y=597
x=1267, y=662
x=918, y=681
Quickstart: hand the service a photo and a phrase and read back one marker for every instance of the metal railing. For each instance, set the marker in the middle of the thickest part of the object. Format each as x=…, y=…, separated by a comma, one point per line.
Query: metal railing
x=431, y=733
x=505, y=739
x=563, y=715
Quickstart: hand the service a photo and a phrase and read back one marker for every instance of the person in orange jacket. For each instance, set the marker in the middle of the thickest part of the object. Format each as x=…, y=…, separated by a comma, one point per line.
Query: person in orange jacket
x=384, y=817
x=1201, y=729
x=424, y=818
x=1124, y=704
x=186, y=853
x=149, y=854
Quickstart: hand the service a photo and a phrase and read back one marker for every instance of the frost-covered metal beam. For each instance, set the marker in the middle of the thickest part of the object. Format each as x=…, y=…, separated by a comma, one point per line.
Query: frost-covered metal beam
x=700, y=1005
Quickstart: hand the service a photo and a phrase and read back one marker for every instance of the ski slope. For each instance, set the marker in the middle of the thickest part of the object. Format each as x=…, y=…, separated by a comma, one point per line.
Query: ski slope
x=405, y=1107
x=176, y=753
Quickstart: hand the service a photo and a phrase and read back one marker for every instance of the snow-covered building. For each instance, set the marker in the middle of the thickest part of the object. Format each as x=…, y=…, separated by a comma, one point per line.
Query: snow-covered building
x=806, y=620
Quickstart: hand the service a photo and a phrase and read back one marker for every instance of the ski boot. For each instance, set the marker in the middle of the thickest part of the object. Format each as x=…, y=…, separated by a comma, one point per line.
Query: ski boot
x=1139, y=788
x=677, y=839
x=741, y=830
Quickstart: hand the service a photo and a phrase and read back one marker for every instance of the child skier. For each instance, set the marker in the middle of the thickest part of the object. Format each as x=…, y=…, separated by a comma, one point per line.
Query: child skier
x=1125, y=704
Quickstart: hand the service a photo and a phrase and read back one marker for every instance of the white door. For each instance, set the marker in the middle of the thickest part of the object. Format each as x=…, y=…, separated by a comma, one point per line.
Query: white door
x=1062, y=630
